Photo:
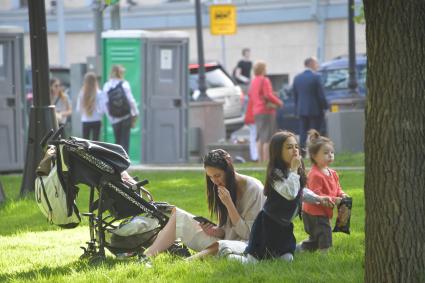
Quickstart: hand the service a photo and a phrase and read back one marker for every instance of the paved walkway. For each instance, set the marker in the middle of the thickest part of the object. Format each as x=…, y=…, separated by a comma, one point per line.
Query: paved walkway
x=198, y=167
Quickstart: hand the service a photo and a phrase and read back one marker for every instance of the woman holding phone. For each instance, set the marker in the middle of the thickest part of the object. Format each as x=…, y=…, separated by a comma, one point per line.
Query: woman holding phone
x=234, y=199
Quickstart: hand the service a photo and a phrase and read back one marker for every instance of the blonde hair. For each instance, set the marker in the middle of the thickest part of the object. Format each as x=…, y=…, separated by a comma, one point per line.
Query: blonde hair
x=316, y=141
x=89, y=91
x=260, y=68
x=117, y=72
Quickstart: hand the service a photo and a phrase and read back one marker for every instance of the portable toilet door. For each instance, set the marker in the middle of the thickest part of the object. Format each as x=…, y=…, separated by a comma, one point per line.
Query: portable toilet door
x=165, y=98
x=12, y=112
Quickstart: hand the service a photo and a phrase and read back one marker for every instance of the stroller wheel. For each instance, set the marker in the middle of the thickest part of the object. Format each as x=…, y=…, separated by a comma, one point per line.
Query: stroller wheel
x=96, y=259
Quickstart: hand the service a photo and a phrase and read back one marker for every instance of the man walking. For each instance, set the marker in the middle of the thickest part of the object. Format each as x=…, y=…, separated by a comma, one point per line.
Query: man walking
x=242, y=71
x=310, y=101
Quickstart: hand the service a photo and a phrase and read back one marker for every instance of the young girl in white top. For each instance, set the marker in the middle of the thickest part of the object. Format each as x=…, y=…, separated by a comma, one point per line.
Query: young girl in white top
x=272, y=234
x=90, y=104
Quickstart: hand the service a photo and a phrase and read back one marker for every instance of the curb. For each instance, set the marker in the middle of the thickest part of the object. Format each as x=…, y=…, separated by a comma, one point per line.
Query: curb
x=200, y=168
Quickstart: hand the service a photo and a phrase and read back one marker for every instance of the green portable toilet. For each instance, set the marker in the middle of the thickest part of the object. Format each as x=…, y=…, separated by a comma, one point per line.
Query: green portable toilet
x=156, y=66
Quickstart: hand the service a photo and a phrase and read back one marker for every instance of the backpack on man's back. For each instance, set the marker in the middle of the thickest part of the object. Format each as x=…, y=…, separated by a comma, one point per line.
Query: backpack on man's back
x=118, y=105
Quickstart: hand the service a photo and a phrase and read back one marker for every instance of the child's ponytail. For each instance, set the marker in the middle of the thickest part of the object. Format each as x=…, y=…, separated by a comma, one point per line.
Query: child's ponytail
x=313, y=135
x=315, y=143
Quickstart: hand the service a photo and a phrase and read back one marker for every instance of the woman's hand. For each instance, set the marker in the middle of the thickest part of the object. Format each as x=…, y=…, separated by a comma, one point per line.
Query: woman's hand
x=211, y=230
x=224, y=196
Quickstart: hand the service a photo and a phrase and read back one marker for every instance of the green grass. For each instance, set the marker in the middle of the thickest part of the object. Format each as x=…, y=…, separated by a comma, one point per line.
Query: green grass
x=33, y=250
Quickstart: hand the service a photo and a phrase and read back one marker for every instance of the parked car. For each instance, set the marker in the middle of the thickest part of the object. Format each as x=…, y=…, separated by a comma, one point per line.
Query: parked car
x=334, y=75
x=221, y=88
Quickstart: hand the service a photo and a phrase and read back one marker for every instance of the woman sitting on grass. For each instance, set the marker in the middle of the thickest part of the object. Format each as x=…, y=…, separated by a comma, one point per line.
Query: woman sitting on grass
x=234, y=199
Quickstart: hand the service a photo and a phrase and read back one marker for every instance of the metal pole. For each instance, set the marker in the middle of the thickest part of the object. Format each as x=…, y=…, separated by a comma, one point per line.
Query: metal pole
x=42, y=114
x=98, y=26
x=60, y=17
x=201, y=74
x=115, y=16
x=352, y=80
x=223, y=51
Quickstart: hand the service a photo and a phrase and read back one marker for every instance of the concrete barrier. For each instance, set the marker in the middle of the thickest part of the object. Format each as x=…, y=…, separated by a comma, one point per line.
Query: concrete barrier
x=346, y=130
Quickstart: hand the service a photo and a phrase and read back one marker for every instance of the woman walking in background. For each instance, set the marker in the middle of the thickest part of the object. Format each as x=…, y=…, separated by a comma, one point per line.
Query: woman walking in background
x=121, y=106
x=264, y=109
x=60, y=100
x=89, y=103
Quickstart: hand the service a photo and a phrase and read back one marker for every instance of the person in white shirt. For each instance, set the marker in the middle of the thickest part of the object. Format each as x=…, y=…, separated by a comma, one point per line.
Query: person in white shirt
x=121, y=125
x=90, y=104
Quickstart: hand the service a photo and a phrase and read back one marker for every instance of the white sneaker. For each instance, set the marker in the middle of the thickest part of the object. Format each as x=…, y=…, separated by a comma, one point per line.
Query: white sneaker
x=288, y=257
x=242, y=259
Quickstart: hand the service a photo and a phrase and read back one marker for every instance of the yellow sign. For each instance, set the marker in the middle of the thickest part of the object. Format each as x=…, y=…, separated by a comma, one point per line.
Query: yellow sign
x=223, y=19
x=334, y=108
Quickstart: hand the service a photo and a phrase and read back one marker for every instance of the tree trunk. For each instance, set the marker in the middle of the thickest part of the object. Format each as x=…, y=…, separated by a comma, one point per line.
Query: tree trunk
x=395, y=141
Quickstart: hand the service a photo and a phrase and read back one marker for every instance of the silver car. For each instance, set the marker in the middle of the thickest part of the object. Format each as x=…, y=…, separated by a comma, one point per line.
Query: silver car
x=220, y=88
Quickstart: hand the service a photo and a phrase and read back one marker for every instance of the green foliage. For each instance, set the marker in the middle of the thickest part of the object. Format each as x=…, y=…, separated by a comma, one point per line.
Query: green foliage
x=112, y=2
x=360, y=19
x=33, y=250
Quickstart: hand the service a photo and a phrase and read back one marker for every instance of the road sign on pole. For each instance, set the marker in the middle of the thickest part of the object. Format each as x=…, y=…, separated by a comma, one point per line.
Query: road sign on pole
x=223, y=19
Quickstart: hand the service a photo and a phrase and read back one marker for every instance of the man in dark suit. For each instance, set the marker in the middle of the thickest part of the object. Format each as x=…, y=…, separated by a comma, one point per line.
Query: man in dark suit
x=310, y=101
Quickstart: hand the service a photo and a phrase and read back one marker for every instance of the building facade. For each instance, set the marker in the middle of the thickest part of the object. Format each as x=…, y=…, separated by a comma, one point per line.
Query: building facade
x=280, y=32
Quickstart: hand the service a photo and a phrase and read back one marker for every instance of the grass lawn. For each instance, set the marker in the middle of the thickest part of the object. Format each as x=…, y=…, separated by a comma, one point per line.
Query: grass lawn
x=33, y=250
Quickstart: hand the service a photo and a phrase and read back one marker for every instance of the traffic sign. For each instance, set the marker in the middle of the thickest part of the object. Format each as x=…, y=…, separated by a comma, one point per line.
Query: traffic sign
x=223, y=19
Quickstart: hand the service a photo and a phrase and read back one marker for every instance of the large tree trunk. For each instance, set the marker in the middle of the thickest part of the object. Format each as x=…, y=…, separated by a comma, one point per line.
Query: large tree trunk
x=395, y=141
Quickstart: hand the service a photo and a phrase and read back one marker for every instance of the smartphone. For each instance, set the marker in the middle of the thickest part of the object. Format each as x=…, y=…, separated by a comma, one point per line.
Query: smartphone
x=203, y=220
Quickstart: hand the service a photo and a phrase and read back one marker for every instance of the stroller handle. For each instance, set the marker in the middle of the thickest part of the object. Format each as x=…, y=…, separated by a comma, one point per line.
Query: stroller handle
x=51, y=136
x=43, y=141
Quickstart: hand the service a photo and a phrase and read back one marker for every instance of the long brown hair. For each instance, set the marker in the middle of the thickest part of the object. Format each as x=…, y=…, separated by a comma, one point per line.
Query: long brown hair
x=89, y=90
x=276, y=161
x=52, y=81
x=220, y=159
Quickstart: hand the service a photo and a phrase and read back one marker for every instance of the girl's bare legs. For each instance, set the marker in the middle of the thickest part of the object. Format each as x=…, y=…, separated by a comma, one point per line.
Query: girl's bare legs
x=165, y=238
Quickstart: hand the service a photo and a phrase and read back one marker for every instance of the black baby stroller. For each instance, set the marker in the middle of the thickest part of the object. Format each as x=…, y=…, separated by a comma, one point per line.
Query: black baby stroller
x=123, y=217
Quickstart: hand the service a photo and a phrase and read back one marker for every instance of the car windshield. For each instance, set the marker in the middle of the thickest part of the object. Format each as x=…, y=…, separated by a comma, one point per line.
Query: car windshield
x=334, y=79
x=213, y=78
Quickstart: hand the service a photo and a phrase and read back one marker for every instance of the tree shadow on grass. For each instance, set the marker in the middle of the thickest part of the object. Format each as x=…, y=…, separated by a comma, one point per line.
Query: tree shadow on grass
x=47, y=272
x=22, y=215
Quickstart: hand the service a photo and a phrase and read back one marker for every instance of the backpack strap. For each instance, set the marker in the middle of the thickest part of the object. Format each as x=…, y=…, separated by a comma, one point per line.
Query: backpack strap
x=49, y=218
